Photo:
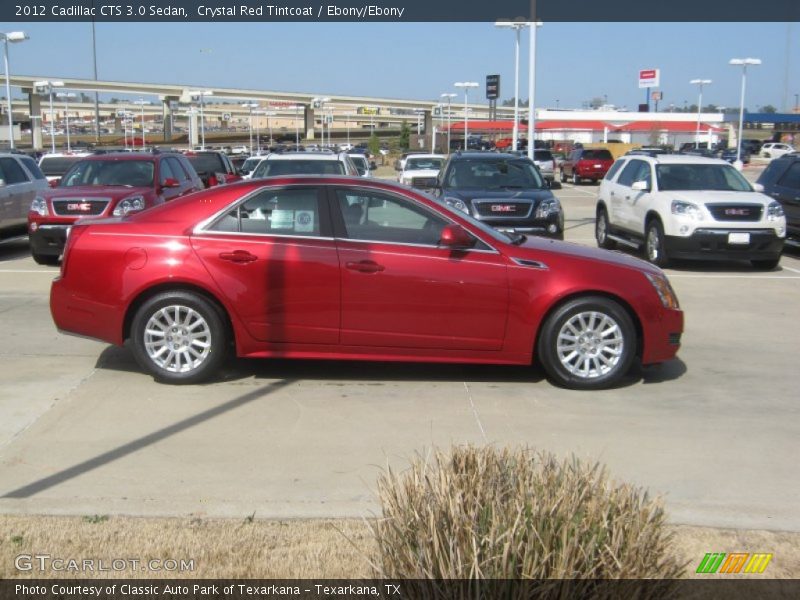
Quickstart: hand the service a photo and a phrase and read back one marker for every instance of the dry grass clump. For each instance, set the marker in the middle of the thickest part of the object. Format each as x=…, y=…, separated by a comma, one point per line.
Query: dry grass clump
x=485, y=513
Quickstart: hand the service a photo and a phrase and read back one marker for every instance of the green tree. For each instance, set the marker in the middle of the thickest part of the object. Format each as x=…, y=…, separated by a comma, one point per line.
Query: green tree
x=769, y=109
x=374, y=145
x=405, y=135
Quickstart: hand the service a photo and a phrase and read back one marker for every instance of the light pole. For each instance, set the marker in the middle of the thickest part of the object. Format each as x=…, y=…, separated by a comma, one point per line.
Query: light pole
x=250, y=106
x=202, y=94
x=532, y=88
x=13, y=37
x=141, y=102
x=517, y=27
x=268, y=114
x=466, y=85
x=66, y=96
x=49, y=85
x=701, y=83
x=449, y=97
x=742, y=62
x=320, y=104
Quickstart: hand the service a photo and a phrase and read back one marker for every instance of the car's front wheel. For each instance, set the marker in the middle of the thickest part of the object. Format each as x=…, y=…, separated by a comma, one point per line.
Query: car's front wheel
x=587, y=343
x=179, y=337
x=655, y=244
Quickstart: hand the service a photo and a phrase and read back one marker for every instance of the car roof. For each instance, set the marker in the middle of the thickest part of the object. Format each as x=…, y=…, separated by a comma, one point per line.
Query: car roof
x=426, y=156
x=679, y=159
x=486, y=155
x=126, y=156
x=304, y=156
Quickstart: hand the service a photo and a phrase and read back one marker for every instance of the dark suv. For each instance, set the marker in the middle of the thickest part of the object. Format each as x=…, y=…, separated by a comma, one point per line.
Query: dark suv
x=213, y=167
x=781, y=180
x=502, y=190
x=586, y=163
x=105, y=185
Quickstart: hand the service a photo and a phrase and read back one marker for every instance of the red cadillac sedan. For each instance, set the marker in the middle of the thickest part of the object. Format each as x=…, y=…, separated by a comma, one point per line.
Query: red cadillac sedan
x=353, y=268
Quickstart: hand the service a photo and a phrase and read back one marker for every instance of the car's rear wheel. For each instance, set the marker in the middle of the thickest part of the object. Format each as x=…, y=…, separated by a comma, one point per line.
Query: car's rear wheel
x=45, y=259
x=563, y=175
x=587, y=343
x=654, y=244
x=765, y=264
x=601, y=231
x=575, y=178
x=179, y=337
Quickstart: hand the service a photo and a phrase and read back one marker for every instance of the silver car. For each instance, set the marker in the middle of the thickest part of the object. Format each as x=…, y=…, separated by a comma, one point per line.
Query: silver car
x=20, y=182
x=546, y=162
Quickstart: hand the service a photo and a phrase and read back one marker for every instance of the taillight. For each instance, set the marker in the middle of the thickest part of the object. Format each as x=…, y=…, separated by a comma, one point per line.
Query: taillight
x=73, y=233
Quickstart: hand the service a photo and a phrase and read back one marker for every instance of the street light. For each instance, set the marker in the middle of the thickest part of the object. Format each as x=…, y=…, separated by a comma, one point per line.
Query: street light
x=742, y=62
x=141, y=102
x=532, y=88
x=13, y=37
x=701, y=83
x=268, y=114
x=466, y=85
x=517, y=27
x=202, y=94
x=449, y=99
x=250, y=106
x=49, y=85
x=66, y=96
x=320, y=104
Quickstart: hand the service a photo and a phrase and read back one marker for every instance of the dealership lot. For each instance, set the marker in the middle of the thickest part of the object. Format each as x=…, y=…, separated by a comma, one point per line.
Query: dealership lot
x=84, y=431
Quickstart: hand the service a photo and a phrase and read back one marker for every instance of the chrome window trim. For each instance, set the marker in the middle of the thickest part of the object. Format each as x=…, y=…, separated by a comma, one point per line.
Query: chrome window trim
x=408, y=244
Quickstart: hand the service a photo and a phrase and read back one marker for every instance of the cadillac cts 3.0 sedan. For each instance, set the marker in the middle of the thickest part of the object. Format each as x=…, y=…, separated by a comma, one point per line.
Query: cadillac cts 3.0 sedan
x=350, y=268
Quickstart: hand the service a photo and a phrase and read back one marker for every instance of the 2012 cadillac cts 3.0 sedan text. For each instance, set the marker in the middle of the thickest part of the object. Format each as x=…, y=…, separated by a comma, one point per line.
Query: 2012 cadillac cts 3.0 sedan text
x=351, y=268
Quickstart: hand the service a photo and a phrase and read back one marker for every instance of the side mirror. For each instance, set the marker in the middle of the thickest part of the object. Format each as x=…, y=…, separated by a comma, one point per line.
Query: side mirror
x=170, y=182
x=758, y=187
x=640, y=186
x=456, y=237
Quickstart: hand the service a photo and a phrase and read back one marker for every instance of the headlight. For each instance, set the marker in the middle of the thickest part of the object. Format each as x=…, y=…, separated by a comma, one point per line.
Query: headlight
x=775, y=211
x=687, y=209
x=129, y=205
x=550, y=206
x=664, y=290
x=39, y=205
x=456, y=203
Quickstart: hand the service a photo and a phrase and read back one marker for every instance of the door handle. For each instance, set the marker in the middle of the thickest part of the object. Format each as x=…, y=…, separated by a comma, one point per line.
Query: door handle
x=365, y=266
x=238, y=256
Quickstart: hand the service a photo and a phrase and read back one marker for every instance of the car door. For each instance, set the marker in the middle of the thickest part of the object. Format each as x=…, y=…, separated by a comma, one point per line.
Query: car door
x=16, y=194
x=787, y=191
x=401, y=290
x=632, y=202
x=273, y=258
x=609, y=192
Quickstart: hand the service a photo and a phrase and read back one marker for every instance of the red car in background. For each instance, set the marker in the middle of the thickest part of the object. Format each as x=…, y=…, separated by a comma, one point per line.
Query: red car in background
x=105, y=185
x=590, y=164
x=353, y=268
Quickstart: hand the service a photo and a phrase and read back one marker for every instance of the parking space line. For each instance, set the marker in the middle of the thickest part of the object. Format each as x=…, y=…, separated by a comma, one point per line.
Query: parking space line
x=790, y=269
x=48, y=271
x=673, y=275
x=573, y=188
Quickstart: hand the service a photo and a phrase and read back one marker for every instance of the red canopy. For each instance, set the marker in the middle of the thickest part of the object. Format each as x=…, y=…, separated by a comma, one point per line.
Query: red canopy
x=579, y=125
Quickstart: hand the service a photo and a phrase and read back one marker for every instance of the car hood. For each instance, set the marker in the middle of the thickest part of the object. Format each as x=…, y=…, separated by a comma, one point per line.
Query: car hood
x=421, y=173
x=115, y=192
x=700, y=197
x=508, y=195
x=533, y=247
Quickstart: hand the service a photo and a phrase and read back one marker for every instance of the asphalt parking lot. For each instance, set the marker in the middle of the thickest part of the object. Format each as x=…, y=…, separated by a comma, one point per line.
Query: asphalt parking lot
x=84, y=431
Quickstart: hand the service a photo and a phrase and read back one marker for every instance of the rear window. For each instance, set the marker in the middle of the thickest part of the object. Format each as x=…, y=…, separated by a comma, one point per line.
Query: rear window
x=596, y=155
x=272, y=168
x=56, y=166
x=542, y=155
x=207, y=163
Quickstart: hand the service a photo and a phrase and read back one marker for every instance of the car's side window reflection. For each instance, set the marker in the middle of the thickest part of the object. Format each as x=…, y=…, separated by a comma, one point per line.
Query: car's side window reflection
x=287, y=212
x=382, y=218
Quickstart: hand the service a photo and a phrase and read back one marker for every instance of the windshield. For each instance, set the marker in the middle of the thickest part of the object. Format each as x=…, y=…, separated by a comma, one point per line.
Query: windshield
x=131, y=173
x=56, y=166
x=701, y=177
x=272, y=168
x=206, y=163
x=493, y=174
x=424, y=163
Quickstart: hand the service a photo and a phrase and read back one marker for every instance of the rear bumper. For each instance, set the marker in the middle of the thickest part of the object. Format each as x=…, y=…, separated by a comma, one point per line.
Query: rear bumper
x=713, y=244
x=84, y=317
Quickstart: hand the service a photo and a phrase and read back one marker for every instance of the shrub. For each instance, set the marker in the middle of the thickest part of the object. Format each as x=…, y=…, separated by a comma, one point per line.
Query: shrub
x=484, y=513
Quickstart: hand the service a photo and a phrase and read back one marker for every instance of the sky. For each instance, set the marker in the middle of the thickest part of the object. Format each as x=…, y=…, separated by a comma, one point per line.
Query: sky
x=575, y=61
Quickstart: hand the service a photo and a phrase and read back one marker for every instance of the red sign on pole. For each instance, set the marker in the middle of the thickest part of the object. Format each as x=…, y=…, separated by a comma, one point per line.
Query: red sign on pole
x=649, y=78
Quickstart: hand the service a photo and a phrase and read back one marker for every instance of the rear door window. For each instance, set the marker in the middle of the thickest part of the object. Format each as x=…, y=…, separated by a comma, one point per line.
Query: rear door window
x=11, y=171
x=33, y=168
x=294, y=211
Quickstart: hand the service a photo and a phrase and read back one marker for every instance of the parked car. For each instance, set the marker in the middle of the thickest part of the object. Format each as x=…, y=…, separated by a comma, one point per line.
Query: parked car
x=384, y=273
x=400, y=163
x=501, y=190
x=363, y=165
x=55, y=164
x=781, y=181
x=775, y=150
x=305, y=163
x=246, y=170
x=546, y=162
x=105, y=185
x=681, y=206
x=649, y=151
x=586, y=164
x=20, y=182
x=213, y=166
x=729, y=155
x=421, y=170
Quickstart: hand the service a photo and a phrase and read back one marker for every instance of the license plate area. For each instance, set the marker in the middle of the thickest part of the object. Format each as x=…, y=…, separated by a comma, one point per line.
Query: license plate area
x=739, y=238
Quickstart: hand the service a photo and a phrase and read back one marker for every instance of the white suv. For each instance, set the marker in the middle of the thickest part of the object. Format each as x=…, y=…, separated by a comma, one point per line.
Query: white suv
x=775, y=150
x=682, y=206
x=305, y=163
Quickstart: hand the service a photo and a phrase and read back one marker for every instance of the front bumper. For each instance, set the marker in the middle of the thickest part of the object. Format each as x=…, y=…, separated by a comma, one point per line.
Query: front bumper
x=48, y=240
x=713, y=244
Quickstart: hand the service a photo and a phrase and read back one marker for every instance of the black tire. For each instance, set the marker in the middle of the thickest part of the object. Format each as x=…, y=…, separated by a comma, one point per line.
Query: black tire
x=601, y=229
x=563, y=176
x=207, y=328
x=765, y=264
x=555, y=352
x=654, y=244
x=45, y=259
x=576, y=180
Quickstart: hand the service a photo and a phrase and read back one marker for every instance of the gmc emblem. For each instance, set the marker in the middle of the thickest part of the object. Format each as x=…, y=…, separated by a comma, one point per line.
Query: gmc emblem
x=737, y=211
x=81, y=206
x=503, y=208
